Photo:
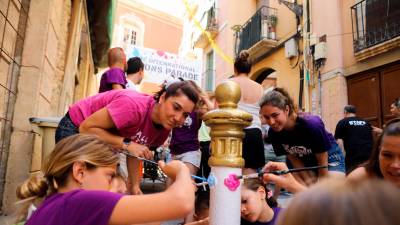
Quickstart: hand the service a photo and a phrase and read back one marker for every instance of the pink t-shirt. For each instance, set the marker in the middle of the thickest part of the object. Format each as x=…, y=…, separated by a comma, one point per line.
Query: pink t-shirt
x=130, y=112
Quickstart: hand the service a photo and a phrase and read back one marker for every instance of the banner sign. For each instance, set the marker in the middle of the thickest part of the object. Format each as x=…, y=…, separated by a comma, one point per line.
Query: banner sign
x=160, y=66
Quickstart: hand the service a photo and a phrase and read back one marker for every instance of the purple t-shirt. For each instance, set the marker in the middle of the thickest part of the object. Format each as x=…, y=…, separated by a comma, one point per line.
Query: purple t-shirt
x=129, y=110
x=308, y=137
x=271, y=222
x=78, y=207
x=110, y=77
x=186, y=138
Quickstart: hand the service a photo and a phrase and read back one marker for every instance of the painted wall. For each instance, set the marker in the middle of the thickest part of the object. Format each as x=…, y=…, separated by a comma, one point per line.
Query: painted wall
x=161, y=30
x=329, y=97
x=230, y=13
x=326, y=19
x=287, y=77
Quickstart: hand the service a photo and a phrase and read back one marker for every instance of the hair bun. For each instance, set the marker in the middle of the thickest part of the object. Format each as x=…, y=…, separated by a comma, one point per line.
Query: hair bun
x=33, y=187
x=244, y=55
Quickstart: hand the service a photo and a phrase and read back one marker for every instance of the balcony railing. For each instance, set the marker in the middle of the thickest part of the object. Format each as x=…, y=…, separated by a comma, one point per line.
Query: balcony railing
x=374, y=22
x=209, y=22
x=261, y=26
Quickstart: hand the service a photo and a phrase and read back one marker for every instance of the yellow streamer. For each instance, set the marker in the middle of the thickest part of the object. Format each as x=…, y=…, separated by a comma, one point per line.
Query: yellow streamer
x=212, y=42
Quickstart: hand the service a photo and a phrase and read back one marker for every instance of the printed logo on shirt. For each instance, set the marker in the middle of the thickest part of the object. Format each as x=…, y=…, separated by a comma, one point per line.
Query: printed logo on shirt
x=139, y=138
x=297, y=150
x=188, y=122
x=357, y=123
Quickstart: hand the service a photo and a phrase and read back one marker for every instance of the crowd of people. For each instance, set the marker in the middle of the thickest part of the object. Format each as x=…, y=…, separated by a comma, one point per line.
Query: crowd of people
x=88, y=180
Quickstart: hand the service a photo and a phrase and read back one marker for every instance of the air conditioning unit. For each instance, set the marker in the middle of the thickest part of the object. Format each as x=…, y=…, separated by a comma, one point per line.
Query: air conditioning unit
x=291, y=48
x=320, y=50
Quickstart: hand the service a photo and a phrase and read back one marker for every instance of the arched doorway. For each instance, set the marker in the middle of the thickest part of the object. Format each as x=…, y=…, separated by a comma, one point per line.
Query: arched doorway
x=267, y=78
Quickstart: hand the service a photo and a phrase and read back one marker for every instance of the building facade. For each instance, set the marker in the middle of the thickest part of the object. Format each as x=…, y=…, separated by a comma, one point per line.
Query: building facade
x=141, y=25
x=136, y=24
x=325, y=53
x=46, y=64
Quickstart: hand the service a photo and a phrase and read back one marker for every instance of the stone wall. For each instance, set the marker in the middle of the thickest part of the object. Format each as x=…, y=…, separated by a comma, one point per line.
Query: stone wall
x=48, y=78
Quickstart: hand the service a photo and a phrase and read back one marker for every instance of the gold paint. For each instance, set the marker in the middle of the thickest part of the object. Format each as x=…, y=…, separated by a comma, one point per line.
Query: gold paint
x=227, y=123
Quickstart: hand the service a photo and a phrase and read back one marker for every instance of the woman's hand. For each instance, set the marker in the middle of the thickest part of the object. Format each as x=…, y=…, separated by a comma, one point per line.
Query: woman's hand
x=140, y=151
x=286, y=181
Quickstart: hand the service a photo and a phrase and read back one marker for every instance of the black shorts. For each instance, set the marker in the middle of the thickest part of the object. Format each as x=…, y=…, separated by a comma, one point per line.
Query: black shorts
x=253, y=148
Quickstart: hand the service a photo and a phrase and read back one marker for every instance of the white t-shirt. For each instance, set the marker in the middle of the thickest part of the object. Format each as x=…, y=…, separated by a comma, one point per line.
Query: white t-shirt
x=130, y=85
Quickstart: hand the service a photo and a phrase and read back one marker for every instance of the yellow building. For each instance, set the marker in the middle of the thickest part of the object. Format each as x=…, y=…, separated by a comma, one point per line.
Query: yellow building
x=224, y=28
x=49, y=54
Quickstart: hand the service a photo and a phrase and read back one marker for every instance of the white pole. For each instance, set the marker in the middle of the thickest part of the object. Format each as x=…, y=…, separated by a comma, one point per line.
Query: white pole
x=224, y=203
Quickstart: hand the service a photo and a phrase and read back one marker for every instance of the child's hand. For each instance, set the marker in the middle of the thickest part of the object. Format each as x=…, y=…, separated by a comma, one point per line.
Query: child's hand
x=205, y=221
x=173, y=168
x=286, y=181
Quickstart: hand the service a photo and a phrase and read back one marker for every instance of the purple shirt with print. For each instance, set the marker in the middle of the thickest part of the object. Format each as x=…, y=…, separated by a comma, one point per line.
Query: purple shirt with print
x=110, y=77
x=79, y=207
x=186, y=138
x=308, y=137
x=271, y=222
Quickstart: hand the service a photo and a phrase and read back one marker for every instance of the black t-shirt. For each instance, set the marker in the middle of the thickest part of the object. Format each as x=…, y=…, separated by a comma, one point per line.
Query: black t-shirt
x=308, y=137
x=356, y=134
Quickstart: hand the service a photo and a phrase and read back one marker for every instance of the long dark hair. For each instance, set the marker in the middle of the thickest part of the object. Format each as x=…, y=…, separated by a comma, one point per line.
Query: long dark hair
x=372, y=165
x=186, y=87
x=254, y=183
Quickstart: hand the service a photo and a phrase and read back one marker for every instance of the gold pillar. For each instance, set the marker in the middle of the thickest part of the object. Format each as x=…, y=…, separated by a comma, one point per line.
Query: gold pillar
x=227, y=123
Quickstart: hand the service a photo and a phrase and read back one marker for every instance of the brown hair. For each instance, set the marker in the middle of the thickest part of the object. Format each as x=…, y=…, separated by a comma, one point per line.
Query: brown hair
x=279, y=98
x=372, y=165
x=55, y=171
x=242, y=63
x=255, y=183
x=186, y=87
x=338, y=202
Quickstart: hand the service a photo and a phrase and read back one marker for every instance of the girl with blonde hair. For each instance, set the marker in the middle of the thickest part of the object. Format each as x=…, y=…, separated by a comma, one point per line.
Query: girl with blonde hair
x=75, y=183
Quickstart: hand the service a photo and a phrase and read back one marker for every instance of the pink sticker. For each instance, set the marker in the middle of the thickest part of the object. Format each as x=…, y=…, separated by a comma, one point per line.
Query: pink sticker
x=232, y=182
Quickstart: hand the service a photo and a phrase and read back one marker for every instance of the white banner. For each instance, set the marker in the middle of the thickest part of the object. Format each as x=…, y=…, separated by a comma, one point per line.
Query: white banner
x=160, y=66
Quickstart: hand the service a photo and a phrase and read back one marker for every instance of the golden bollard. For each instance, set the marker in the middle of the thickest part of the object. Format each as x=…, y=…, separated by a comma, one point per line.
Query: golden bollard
x=226, y=123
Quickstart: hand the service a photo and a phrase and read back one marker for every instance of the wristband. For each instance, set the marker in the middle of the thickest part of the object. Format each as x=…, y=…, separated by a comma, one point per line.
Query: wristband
x=125, y=143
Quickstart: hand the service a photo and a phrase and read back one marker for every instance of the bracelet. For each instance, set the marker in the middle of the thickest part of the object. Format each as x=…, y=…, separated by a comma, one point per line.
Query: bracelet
x=125, y=143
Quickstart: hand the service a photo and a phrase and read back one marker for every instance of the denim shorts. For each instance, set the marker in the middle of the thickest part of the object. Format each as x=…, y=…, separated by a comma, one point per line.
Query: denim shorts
x=65, y=128
x=335, y=156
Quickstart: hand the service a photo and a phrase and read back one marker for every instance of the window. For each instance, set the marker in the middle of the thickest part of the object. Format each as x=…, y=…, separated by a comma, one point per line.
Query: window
x=129, y=36
x=210, y=72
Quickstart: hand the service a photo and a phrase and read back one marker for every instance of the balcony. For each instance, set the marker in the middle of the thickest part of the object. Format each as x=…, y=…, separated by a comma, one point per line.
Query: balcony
x=258, y=34
x=209, y=22
x=376, y=27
